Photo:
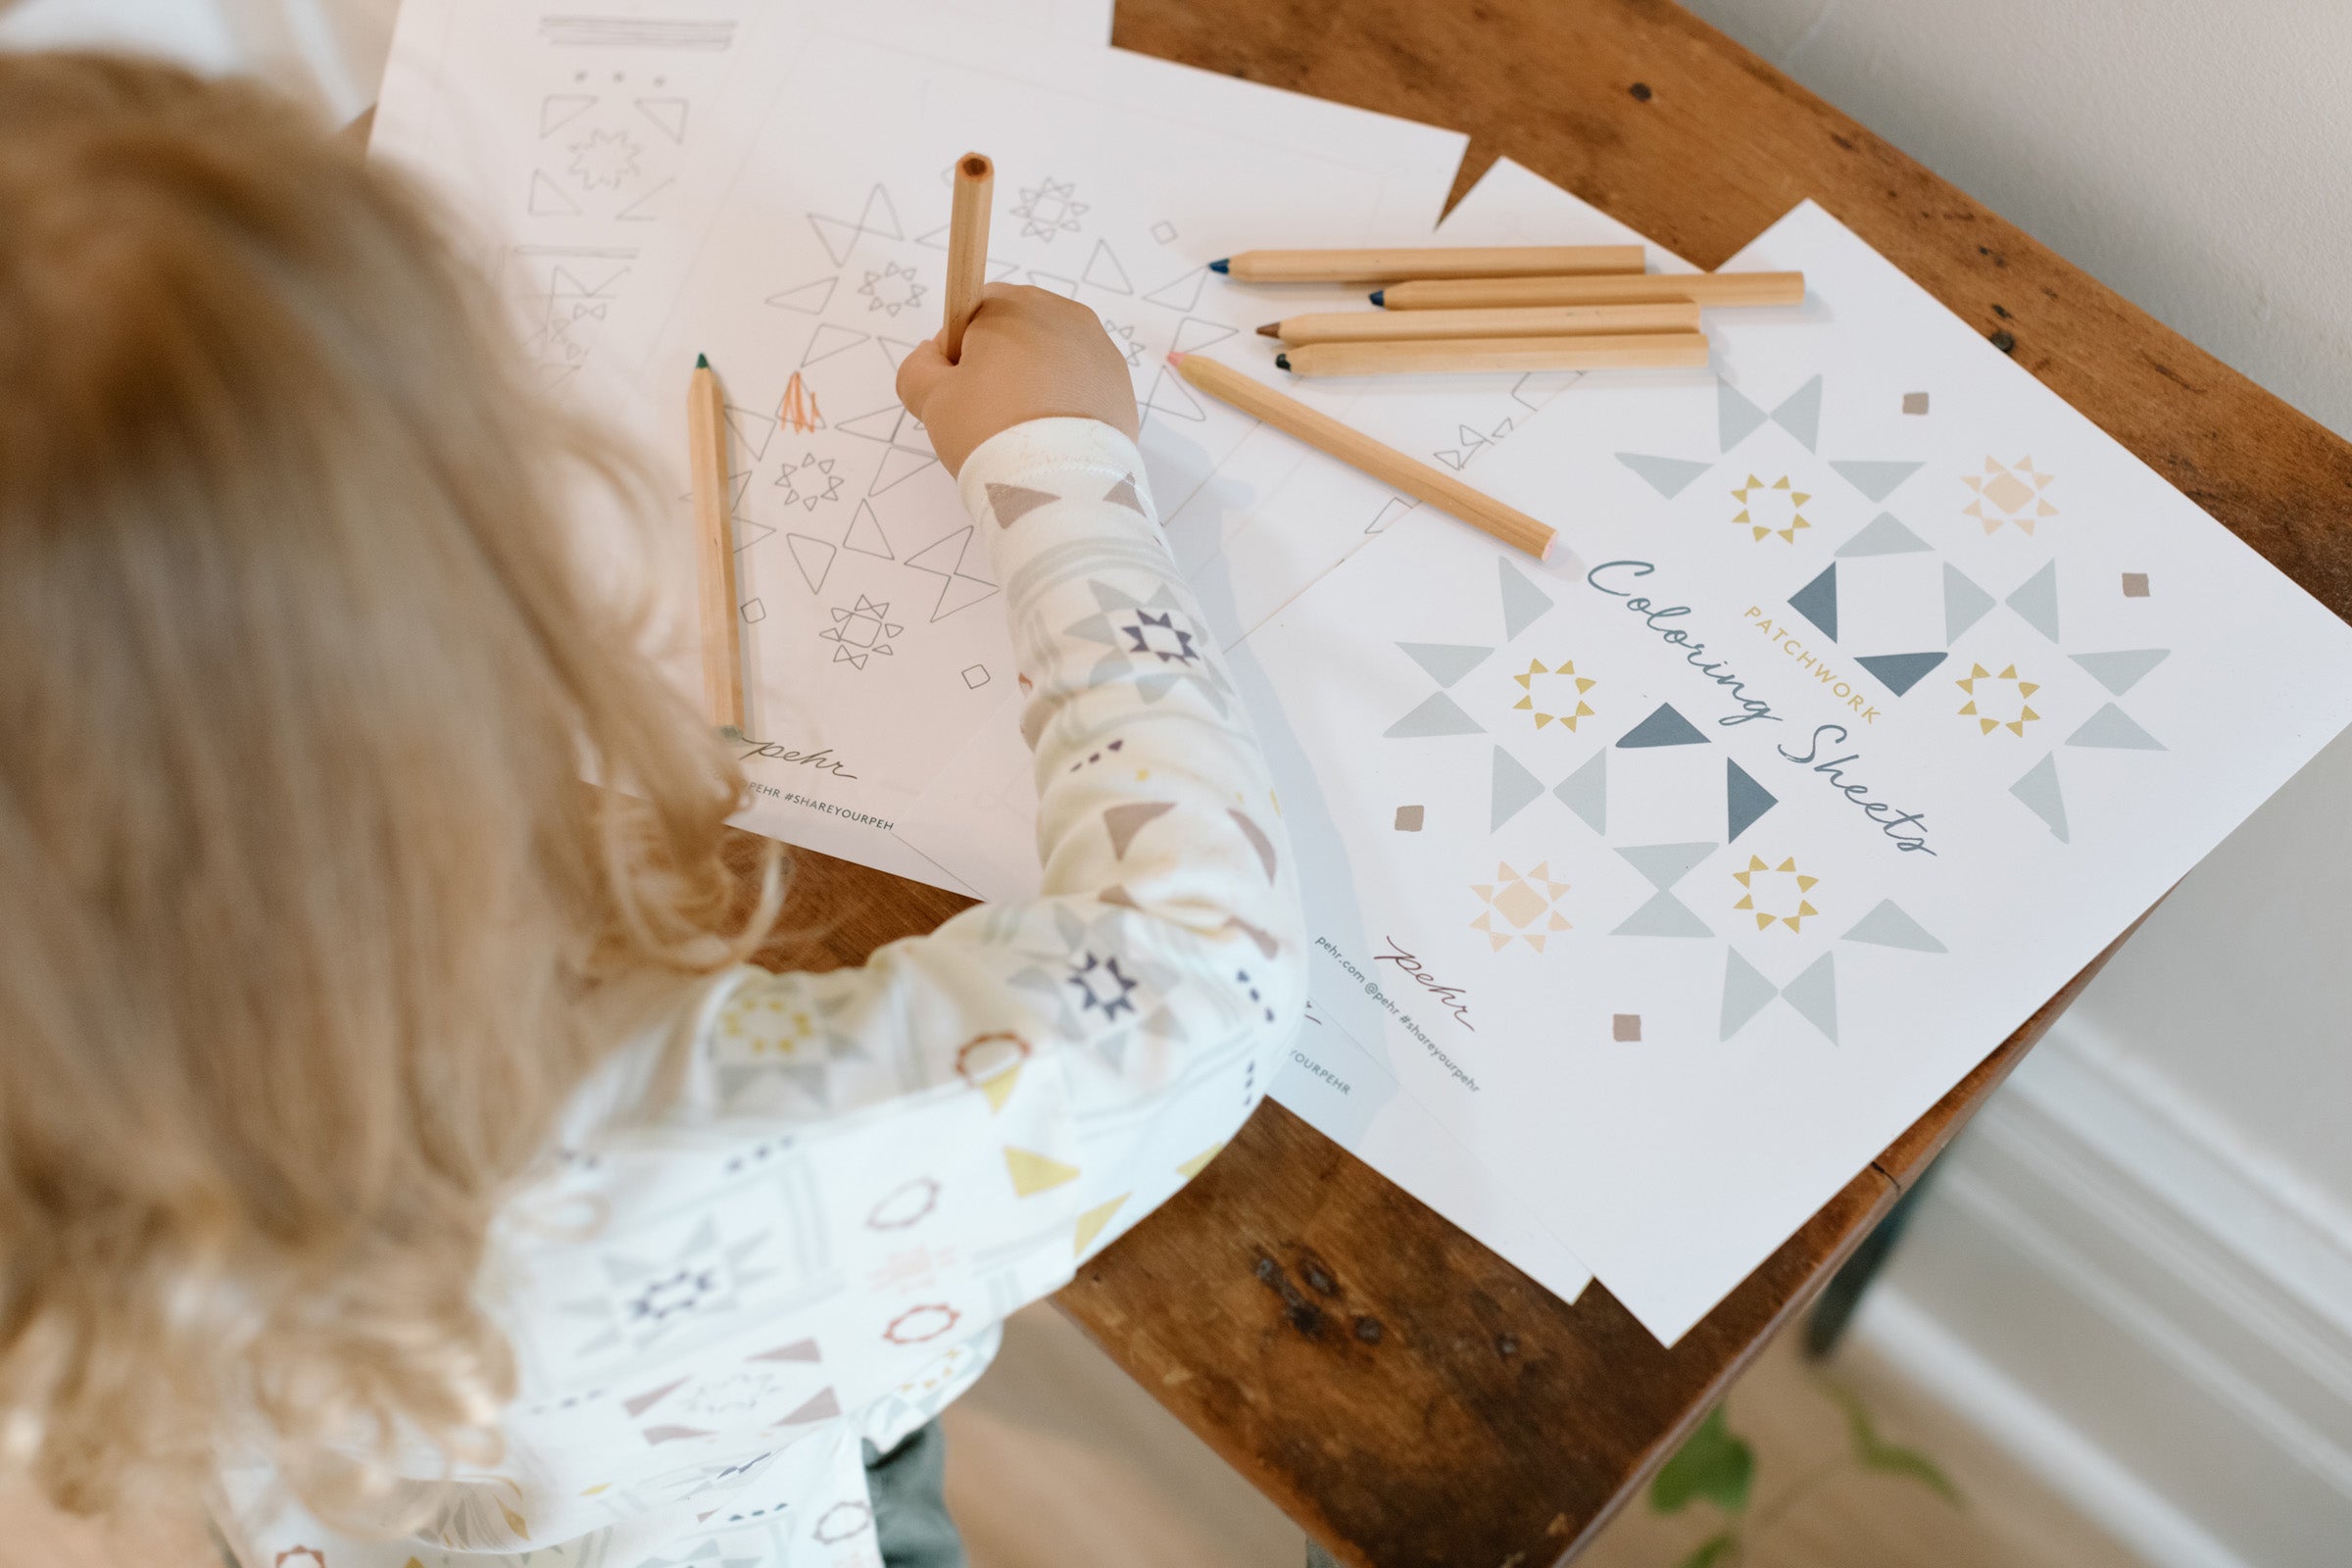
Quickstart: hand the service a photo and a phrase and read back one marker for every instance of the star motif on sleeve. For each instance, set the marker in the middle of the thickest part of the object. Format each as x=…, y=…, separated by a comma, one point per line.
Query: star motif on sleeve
x=1102, y=986
x=1161, y=636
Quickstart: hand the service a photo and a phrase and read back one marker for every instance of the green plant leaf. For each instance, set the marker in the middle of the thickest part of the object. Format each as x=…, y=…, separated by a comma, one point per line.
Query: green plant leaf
x=1712, y=1550
x=1874, y=1453
x=1712, y=1464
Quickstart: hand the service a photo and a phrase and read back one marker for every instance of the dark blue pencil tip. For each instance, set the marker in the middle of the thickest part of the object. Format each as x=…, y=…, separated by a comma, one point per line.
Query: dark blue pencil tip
x=1282, y=362
x=1380, y=296
x=702, y=362
x=1223, y=264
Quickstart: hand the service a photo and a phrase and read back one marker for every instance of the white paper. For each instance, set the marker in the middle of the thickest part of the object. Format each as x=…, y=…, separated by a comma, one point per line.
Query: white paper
x=873, y=633
x=1938, y=608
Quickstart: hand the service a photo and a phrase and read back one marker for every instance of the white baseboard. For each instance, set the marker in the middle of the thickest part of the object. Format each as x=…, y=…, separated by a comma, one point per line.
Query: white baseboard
x=2144, y=1311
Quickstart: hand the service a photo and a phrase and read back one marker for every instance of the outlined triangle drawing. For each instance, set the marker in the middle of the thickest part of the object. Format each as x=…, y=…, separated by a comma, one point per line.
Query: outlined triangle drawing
x=1182, y=293
x=1170, y=396
x=751, y=430
x=549, y=200
x=828, y=340
x=882, y=425
x=815, y=558
x=560, y=108
x=641, y=211
x=1102, y=270
x=1195, y=333
x=839, y=236
x=866, y=534
x=899, y=464
x=807, y=298
x=668, y=116
x=1067, y=287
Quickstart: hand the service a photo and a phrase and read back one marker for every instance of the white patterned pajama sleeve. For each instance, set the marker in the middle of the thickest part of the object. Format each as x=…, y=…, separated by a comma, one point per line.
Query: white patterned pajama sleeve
x=812, y=1244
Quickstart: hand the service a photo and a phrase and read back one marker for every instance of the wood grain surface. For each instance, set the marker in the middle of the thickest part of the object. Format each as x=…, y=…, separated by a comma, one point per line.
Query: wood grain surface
x=1401, y=1393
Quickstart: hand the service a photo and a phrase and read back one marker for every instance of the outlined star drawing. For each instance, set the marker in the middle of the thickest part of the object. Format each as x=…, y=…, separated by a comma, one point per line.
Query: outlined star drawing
x=892, y=289
x=1160, y=635
x=1777, y=887
x=2009, y=493
x=1101, y=986
x=1769, y=508
x=808, y=482
x=860, y=632
x=1987, y=702
x=605, y=158
x=1048, y=209
x=1521, y=908
x=1557, y=693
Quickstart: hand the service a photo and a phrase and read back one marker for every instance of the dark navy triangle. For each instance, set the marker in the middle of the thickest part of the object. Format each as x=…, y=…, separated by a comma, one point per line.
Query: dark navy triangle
x=1900, y=672
x=1817, y=602
x=1744, y=798
x=1665, y=728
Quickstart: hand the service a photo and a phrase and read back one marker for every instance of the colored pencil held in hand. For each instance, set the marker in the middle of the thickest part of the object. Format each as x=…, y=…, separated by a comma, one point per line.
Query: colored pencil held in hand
x=967, y=247
x=1352, y=447
x=715, y=549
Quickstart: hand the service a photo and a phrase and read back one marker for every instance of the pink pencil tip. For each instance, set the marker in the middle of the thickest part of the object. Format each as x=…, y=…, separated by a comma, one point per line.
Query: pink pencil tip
x=1175, y=358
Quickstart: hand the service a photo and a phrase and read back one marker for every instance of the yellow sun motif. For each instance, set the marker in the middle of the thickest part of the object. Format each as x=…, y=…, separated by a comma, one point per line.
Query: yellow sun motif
x=1566, y=671
x=1774, y=892
x=2009, y=494
x=1752, y=496
x=1528, y=906
x=1981, y=705
x=760, y=1024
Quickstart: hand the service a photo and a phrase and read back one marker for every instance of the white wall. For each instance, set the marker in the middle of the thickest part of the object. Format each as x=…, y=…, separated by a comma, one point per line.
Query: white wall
x=2138, y=1267
x=2192, y=154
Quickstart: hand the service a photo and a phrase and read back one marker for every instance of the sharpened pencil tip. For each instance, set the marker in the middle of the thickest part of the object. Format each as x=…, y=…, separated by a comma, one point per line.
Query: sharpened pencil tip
x=702, y=362
x=1380, y=296
x=1282, y=362
x=1223, y=264
x=1270, y=329
x=1175, y=358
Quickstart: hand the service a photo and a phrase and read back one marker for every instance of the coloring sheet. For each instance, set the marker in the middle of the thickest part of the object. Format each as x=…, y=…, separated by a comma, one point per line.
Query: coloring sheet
x=562, y=136
x=873, y=637
x=1881, y=692
x=1277, y=516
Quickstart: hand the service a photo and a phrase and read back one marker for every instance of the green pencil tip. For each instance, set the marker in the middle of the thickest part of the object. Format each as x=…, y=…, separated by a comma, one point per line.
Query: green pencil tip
x=702, y=362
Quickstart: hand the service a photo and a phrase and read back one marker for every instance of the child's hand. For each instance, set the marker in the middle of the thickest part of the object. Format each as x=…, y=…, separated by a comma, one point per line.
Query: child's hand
x=1029, y=354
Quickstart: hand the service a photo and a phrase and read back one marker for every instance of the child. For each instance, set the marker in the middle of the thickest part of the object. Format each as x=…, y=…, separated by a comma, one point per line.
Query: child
x=386, y=1123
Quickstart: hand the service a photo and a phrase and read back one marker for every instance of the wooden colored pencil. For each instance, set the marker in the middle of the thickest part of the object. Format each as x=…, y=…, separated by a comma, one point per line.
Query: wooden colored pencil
x=1556, y=320
x=1395, y=264
x=1495, y=293
x=968, y=246
x=1420, y=355
x=714, y=548
x=1385, y=463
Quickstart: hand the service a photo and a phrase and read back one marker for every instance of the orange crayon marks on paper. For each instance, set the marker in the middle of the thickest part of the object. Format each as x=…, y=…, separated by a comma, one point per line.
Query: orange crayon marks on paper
x=799, y=410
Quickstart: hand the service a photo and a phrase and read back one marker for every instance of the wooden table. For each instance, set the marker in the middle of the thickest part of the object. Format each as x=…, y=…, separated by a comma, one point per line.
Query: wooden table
x=1404, y=1394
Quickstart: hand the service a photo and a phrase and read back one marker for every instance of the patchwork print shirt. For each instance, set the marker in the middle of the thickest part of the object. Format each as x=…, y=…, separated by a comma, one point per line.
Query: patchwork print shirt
x=811, y=1246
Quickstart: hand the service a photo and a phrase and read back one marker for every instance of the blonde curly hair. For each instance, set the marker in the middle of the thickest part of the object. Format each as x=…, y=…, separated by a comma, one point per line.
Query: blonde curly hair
x=307, y=927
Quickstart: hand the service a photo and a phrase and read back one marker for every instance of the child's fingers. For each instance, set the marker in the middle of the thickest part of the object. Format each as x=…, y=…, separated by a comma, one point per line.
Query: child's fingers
x=920, y=374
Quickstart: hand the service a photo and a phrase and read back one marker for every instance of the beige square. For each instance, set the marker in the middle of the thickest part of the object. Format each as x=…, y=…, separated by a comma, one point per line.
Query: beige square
x=1408, y=819
x=1625, y=1026
x=2135, y=585
x=1915, y=403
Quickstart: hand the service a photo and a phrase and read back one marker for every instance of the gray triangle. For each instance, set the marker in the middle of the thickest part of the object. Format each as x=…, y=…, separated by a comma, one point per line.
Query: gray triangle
x=2036, y=599
x=1439, y=716
x=1883, y=535
x=1668, y=477
x=1744, y=992
x=2122, y=670
x=1888, y=926
x=1814, y=995
x=1664, y=915
x=1664, y=727
x=1586, y=792
x=1877, y=480
x=1799, y=414
x=1817, y=601
x=1446, y=662
x=1964, y=603
x=1665, y=864
x=1523, y=603
x=2114, y=729
x=1735, y=418
x=1744, y=799
x=2038, y=789
x=1514, y=787
x=1900, y=672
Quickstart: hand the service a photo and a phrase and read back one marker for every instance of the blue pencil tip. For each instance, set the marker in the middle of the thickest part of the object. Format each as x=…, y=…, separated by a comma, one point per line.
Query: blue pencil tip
x=1380, y=296
x=1223, y=264
x=1282, y=362
x=702, y=362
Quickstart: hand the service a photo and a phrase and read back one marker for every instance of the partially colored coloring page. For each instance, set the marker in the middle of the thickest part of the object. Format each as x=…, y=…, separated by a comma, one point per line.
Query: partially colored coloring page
x=1882, y=690
x=873, y=632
